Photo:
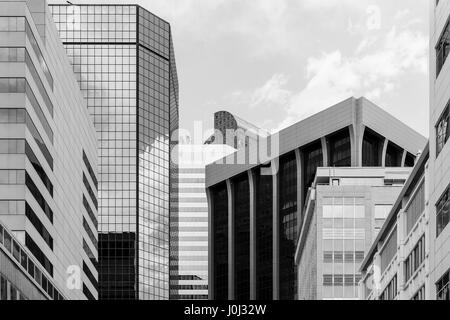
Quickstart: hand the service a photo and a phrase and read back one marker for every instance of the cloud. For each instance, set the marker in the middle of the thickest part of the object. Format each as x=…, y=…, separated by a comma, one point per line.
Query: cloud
x=371, y=72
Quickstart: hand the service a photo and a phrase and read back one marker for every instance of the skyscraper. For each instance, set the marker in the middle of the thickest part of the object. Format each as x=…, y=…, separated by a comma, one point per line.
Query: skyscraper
x=48, y=163
x=123, y=58
x=189, y=214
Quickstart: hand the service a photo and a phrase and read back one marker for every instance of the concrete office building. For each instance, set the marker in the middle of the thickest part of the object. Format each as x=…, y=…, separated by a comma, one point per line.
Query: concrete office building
x=439, y=163
x=48, y=161
x=344, y=211
x=189, y=210
x=123, y=58
x=397, y=266
x=262, y=213
x=18, y=269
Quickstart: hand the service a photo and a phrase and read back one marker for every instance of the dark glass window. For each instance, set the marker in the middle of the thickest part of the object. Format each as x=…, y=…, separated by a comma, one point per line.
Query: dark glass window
x=371, y=149
x=39, y=198
x=410, y=160
x=443, y=212
x=39, y=169
x=443, y=287
x=443, y=130
x=340, y=149
x=390, y=292
x=287, y=227
x=88, y=293
x=38, y=254
x=38, y=225
x=90, y=170
x=242, y=238
x=117, y=261
x=415, y=259
x=442, y=49
x=220, y=209
x=90, y=276
x=264, y=238
x=313, y=158
x=394, y=155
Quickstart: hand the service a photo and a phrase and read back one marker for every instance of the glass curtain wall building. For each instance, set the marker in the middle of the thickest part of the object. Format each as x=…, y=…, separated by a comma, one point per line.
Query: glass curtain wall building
x=123, y=58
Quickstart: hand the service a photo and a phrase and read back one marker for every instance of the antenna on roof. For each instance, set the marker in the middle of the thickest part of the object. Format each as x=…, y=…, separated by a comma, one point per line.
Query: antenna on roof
x=70, y=3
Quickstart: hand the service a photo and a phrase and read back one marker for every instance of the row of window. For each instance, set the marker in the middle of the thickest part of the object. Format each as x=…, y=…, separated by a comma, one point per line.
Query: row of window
x=38, y=197
x=20, y=85
x=22, y=147
x=390, y=293
x=8, y=291
x=91, y=193
x=90, y=170
x=341, y=280
x=415, y=259
x=343, y=257
x=443, y=287
x=13, y=247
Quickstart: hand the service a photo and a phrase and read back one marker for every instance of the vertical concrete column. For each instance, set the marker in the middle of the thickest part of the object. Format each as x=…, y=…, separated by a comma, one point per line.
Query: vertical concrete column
x=252, y=185
x=326, y=162
x=356, y=139
x=405, y=153
x=209, y=198
x=300, y=200
x=401, y=252
x=230, y=193
x=383, y=154
x=276, y=229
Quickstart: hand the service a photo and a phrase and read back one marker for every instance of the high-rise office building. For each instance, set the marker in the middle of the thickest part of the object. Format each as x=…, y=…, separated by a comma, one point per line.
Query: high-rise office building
x=189, y=222
x=189, y=209
x=48, y=161
x=397, y=266
x=123, y=58
x=439, y=163
x=255, y=217
x=344, y=212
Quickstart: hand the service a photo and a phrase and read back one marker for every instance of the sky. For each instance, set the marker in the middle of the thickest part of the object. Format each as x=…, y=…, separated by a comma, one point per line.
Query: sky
x=276, y=62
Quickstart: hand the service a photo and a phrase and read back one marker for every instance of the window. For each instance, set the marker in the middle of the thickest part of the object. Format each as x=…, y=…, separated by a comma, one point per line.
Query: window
x=442, y=49
x=415, y=259
x=442, y=212
x=415, y=208
x=442, y=130
x=442, y=288
x=390, y=293
x=389, y=250
x=420, y=294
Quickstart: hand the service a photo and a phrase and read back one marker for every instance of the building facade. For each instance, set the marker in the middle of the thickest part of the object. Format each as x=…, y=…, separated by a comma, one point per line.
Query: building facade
x=397, y=266
x=439, y=168
x=260, y=208
x=123, y=58
x=48, y=148
x=189, y=222
x=344, y=212
x=189, y=210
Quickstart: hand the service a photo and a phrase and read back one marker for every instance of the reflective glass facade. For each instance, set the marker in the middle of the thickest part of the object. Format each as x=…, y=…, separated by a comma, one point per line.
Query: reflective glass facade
x=242, y=238
x=220, y=224
x=264, y=237
x=287, y=227
x=371, y=149
x=340, y=149
x=313, y=158
x=124, y=62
